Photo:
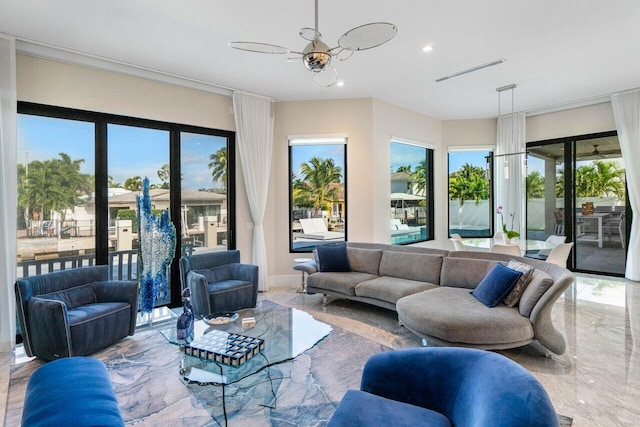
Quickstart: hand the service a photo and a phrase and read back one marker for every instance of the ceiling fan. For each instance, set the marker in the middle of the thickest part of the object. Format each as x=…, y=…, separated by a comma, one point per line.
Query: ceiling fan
x=317, y=55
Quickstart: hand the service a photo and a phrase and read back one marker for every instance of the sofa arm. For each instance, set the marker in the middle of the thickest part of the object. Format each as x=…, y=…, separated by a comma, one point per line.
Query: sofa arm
x=49, y=328
x=119, y=291
x=197, y=283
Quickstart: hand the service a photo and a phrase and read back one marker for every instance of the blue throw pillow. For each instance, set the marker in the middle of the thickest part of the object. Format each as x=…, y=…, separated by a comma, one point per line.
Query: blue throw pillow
x=496, y=285
x=333, y=258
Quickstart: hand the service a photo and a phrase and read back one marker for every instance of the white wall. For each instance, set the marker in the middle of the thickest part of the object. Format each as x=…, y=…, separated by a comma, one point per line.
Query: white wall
x=576, y=121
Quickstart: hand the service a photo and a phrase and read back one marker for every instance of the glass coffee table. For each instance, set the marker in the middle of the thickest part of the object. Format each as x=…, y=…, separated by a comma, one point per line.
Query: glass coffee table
x=287, y=333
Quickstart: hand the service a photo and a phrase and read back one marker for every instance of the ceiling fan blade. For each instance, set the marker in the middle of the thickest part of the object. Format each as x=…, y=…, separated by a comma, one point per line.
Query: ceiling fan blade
x=367, y=36
x=344, y=54
x=259, y=47
x=310, y=34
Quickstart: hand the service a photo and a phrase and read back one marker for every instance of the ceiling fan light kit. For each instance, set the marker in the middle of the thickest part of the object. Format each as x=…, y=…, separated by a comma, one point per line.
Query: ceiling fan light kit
x=317, y=55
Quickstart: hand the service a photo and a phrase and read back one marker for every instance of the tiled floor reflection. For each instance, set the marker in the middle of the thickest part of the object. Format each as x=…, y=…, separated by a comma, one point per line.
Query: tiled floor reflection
x=596, y=382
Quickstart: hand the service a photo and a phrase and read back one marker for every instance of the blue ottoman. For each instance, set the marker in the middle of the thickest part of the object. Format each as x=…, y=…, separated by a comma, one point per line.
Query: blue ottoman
x=74, y=391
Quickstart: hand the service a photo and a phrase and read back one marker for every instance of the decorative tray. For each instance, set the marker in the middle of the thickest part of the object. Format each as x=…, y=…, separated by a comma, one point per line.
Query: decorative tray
x=220, y=318
x=225, y=348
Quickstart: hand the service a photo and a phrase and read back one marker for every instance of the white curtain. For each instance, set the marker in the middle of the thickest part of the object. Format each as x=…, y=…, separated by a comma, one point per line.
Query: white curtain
x=510, y=173
x=626, y=110
x=8, y=196
x=254, y=127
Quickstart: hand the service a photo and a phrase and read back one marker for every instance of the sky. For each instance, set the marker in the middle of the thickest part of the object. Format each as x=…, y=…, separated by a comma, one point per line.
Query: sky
x=406, y=155
x=303, y=153
x=458, y=158
x=132, y=151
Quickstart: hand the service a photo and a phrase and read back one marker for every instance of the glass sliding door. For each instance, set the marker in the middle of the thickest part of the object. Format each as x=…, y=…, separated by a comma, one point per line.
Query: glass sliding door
x=204, y=161
x=600, y=205
x=134, y=153
x=545, y=191
x=586, y=174
x=56, y=188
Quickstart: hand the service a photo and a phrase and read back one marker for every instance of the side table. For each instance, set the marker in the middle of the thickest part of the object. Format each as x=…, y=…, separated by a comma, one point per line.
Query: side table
x=303, y=285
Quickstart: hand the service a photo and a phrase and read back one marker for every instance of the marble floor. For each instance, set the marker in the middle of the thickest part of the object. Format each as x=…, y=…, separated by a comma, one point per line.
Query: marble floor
x=596, y=382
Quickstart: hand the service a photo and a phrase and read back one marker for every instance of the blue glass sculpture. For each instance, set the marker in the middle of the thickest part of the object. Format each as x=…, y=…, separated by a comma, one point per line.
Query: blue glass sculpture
x=156, y=247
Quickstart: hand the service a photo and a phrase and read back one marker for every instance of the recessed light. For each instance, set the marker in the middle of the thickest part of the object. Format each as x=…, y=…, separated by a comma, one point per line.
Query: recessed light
x=340, y=83
x=428, y=48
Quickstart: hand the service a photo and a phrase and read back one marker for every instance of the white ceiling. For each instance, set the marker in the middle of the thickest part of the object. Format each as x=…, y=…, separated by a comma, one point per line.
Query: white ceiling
x=557, y=51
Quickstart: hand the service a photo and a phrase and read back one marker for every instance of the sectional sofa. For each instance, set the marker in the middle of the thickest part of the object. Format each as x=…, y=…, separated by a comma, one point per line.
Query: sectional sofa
x=431, y=291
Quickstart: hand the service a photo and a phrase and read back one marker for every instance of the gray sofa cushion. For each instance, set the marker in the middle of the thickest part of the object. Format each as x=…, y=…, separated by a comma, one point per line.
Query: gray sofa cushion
x=463, y=272
x=453, y=314
x=73, y=297
x=391, y=289
x=540, y=282
x=365, y=260
x=338, y=282
x=418, y=267
x=527, y=273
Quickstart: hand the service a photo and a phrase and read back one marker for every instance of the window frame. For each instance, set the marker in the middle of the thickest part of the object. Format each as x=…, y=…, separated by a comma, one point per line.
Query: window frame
x=429, y=188
x=101, y=121
x=308, y=140
x=489, y=149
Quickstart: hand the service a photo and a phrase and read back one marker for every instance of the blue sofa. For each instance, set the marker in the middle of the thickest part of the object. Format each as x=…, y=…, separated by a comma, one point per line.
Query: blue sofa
x=74, y=391
x=219, y=282
x=445, y=386
x=74, y=312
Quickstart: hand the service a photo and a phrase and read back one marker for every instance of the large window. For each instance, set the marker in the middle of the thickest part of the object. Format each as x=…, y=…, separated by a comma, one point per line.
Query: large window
x=411, y=193
x=78, y=176
x=470, y=209
x=317, y=192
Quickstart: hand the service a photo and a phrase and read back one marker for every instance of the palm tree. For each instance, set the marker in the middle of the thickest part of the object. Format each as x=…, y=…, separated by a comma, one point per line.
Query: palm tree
x=419, y=177
x=133, y=184
x=404, y=168
x=535, y=185
x=469, y=183
x=600, y=179
x=314, y=190
x=164, y=173
x=218, y=166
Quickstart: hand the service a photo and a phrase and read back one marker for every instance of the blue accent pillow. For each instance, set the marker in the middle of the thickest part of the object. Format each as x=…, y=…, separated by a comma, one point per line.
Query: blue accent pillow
x=333, y=258
x=496, y=285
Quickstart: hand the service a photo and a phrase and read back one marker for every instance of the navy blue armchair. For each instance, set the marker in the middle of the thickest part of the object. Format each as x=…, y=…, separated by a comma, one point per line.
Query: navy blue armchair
x=74, y=312
x=219, y=282
x=445, y=386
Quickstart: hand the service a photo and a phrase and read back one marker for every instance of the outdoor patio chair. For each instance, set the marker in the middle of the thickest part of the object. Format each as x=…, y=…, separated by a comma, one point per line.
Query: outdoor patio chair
x=616, y=225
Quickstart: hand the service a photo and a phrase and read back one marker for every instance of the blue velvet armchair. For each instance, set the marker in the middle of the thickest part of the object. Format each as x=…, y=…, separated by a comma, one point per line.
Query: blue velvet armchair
x=74, y=312
x=219, y=282
x=445, y=386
